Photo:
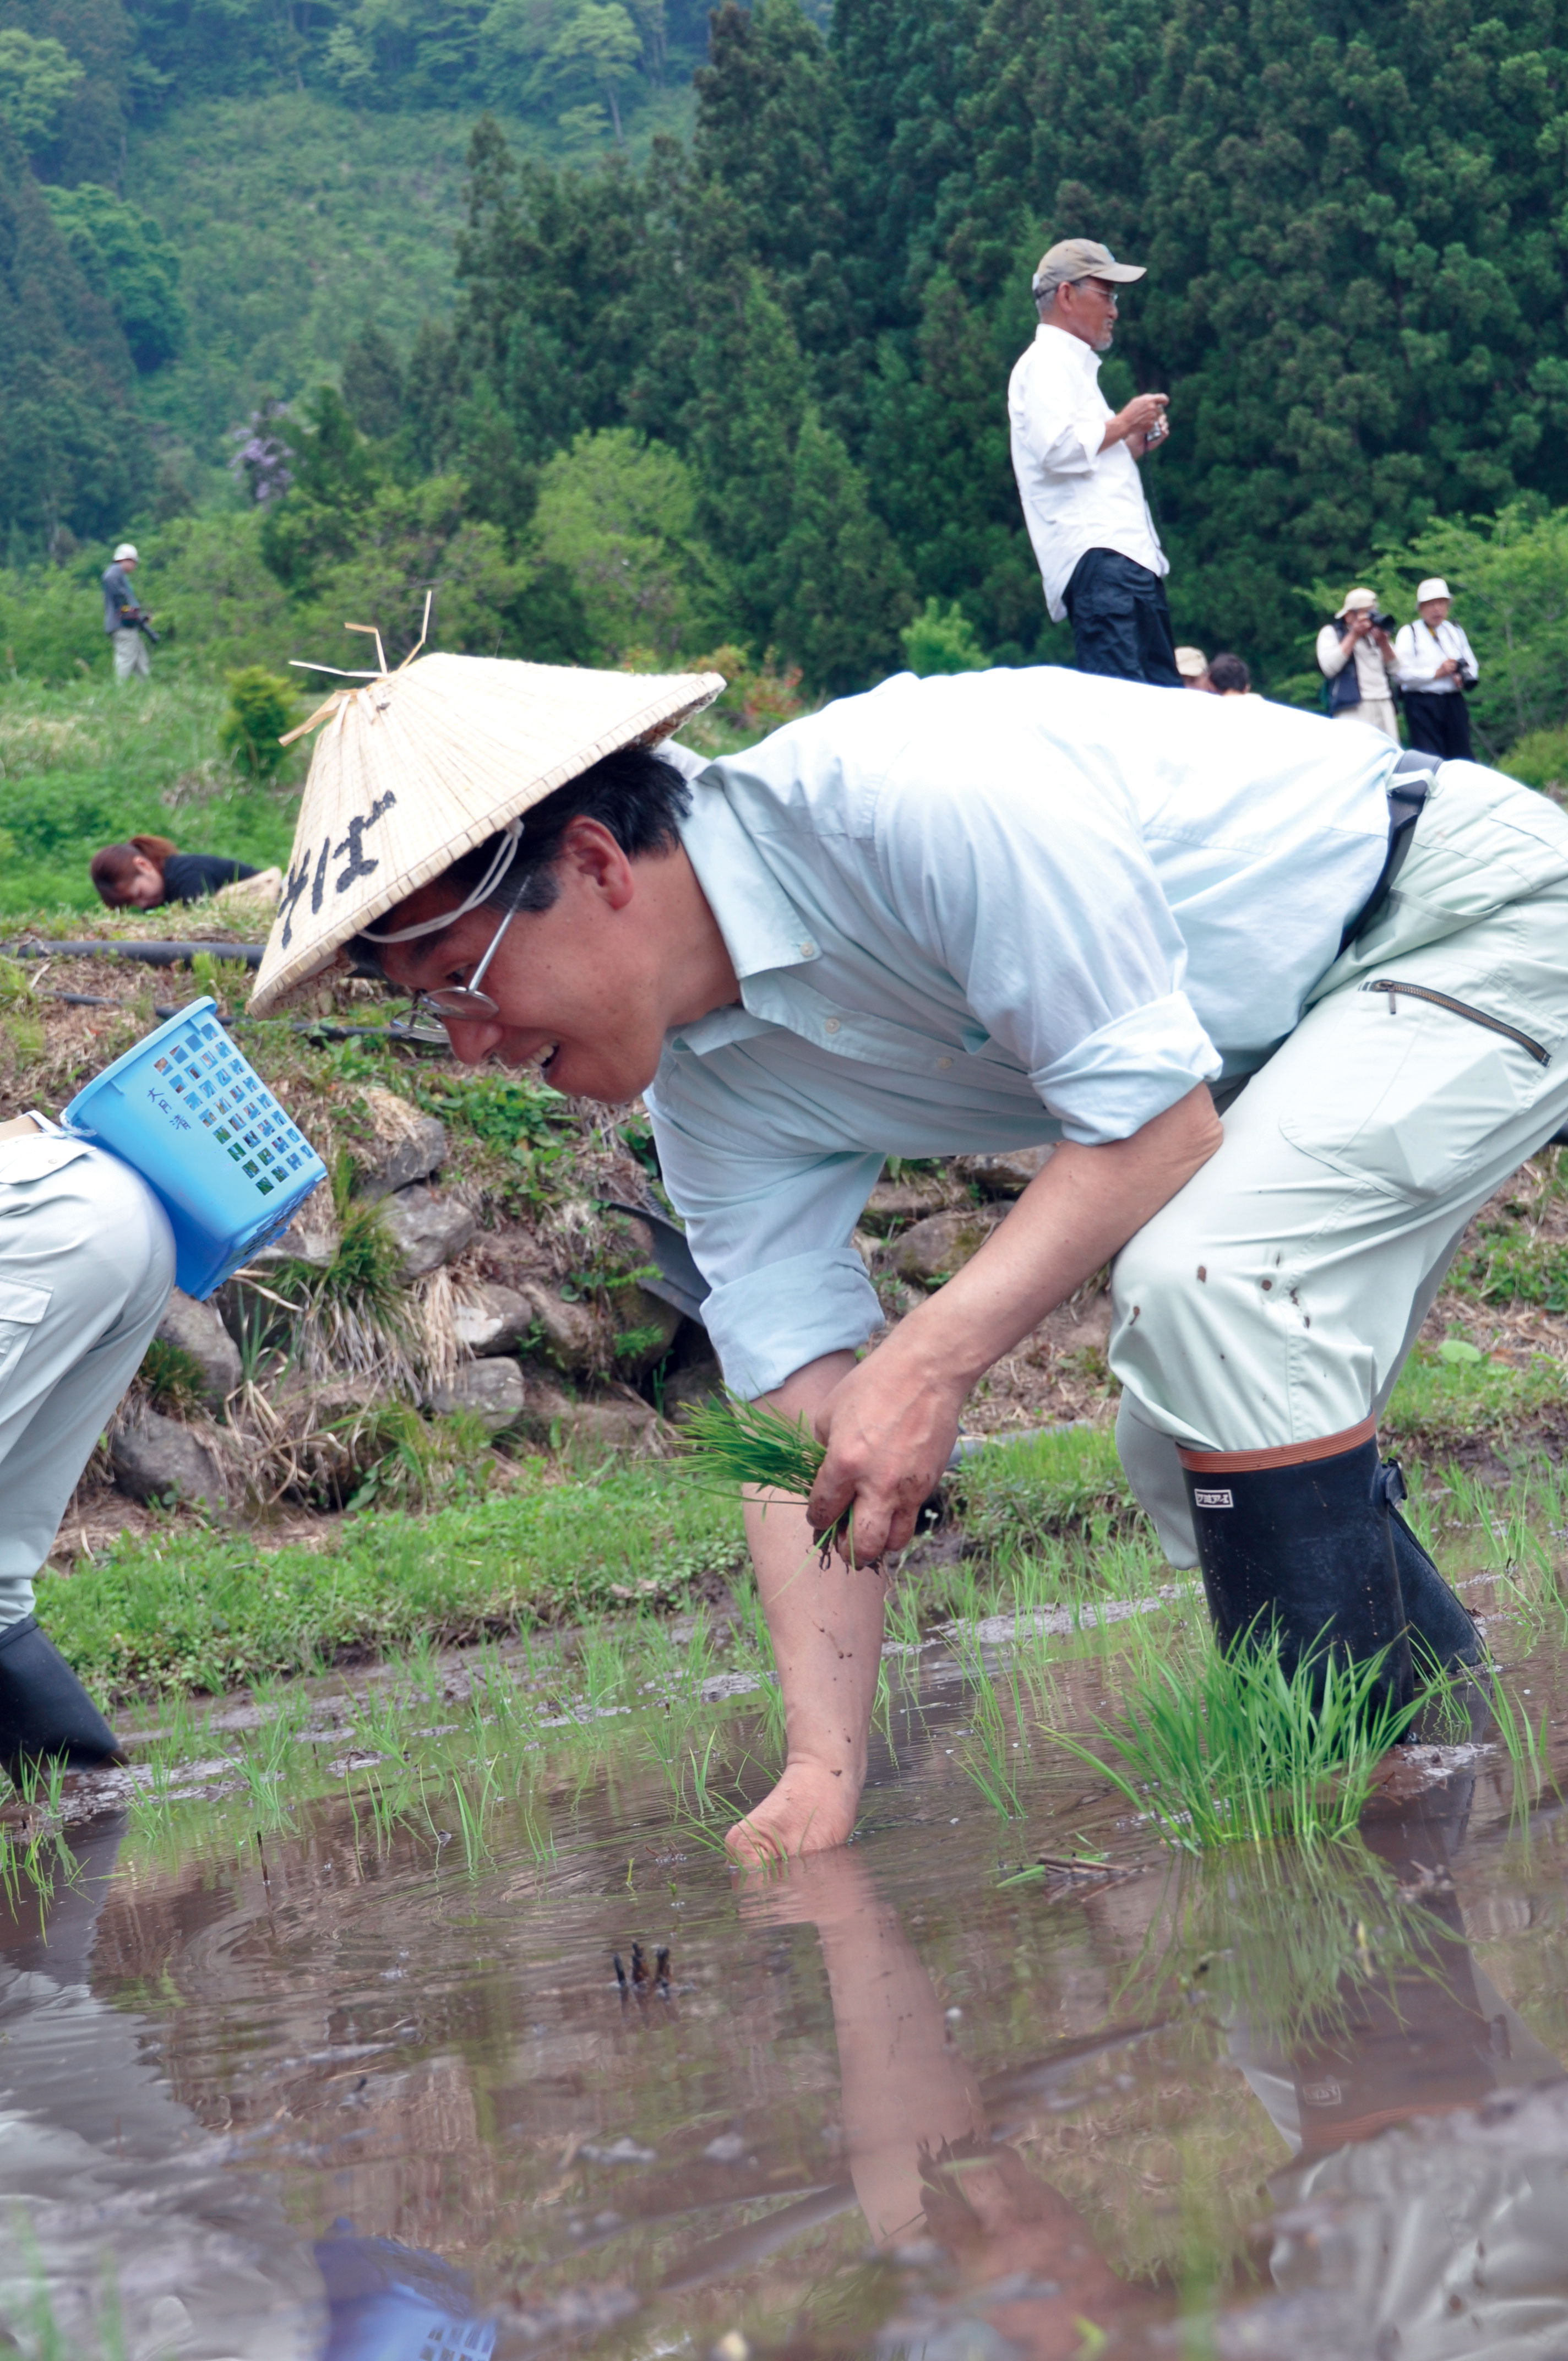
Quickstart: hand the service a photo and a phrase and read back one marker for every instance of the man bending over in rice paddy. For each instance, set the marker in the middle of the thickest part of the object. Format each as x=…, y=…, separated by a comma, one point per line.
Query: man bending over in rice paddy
x=1289, y=1004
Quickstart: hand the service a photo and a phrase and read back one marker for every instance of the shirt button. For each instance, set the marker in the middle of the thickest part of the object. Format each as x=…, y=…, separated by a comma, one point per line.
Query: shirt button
x=942, y=1064
x=830, y=1024
x=807, y=950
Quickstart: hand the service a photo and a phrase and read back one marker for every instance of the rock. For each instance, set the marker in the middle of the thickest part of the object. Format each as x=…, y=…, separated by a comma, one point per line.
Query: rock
x=156, y=1458
x=620, y=1424
x=1006, y=1175
x=697, y=1381
x=648, y=1320
x=571, y=1335
x=428, y=1230
x=932, y=1250
x=405, y=1147
x=495, y=1319
x=493, y=1389
x=198, y=1333
x=910, y=1200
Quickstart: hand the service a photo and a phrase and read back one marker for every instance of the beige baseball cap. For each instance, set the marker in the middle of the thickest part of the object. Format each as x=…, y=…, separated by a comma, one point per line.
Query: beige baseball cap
x=1358, y=602
x=1081, y=257
x=1434, y=588
x=1191, y=662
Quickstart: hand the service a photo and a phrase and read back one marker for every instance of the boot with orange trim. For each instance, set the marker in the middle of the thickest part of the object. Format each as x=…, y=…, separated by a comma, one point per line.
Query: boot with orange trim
x=1306, y=1539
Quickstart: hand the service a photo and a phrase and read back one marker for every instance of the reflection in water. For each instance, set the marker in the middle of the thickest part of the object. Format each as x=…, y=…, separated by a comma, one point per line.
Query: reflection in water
x=1348, y=1998
x=132, y=2231
x=1055, y=2119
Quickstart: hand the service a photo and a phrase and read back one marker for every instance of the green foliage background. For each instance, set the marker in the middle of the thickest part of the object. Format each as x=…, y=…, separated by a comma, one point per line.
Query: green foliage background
x=698, y=337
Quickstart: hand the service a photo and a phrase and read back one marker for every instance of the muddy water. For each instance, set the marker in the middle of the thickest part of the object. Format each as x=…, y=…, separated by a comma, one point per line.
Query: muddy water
x=364, y=2094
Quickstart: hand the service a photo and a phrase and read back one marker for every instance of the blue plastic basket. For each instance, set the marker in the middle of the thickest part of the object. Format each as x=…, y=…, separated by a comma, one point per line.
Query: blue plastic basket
x=188, y=1113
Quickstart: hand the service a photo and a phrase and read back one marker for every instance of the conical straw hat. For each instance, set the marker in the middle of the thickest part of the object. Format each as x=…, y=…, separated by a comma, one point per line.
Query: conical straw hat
x=418, y=766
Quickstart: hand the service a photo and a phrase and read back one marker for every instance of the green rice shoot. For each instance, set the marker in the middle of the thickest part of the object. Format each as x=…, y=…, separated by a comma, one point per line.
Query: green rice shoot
x=1237, y=1750
x=738, y=1442
x=734, y=1442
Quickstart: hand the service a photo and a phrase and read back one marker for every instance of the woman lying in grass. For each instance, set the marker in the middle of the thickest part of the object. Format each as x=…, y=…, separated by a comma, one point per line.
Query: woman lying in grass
x=1288, y=1010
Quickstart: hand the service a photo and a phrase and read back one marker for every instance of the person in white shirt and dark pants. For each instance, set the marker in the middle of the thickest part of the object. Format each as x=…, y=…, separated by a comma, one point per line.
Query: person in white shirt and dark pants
x=1437, y=664
x=1076, y=461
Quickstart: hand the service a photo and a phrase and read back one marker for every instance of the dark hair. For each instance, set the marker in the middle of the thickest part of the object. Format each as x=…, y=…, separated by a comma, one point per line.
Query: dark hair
x=635, y=794
x=113, y=869
x=1228, y=674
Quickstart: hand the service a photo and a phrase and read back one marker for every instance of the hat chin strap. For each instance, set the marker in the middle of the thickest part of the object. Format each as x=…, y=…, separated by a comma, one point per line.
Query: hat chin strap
x=481, y=893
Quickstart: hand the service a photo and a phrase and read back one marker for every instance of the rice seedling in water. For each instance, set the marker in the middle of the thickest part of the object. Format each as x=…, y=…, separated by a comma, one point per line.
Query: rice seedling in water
x=1237, y=1750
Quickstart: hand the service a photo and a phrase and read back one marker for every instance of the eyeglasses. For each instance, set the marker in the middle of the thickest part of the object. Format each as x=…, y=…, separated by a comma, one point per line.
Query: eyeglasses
x=1104, y=287
x=465, y=1000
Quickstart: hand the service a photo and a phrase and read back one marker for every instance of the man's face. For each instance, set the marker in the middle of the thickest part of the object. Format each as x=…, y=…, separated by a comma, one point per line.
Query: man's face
x=581, y=989
x=1434, y=611
x=1087, y=308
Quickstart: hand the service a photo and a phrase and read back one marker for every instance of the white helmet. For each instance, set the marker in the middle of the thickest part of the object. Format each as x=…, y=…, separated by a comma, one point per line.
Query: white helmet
x=127, y=549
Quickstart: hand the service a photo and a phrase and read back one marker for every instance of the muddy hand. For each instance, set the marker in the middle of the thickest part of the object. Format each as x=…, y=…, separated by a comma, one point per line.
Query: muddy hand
x=887, y=1444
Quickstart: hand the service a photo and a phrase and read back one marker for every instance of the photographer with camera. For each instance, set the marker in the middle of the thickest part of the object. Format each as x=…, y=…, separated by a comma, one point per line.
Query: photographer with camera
x=1437, y=671
x=129, y=625
x=1356, y=657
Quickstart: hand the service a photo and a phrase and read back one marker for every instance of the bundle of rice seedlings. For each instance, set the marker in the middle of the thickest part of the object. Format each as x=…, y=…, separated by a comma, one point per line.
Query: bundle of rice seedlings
x=733, y=1442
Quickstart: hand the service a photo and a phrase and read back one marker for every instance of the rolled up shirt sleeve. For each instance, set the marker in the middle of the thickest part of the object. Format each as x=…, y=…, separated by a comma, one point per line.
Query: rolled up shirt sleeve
x=770, y=1233
x=1065, y=440
x=1060, y=939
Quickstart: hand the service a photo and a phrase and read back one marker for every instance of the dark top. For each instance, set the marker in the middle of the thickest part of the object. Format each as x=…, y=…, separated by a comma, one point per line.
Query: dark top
x=117, y=595
x=192, y=876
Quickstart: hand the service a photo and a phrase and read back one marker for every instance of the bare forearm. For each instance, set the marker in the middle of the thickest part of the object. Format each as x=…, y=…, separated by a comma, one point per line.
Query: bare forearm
x=1074, y=1216
x=889, y=1425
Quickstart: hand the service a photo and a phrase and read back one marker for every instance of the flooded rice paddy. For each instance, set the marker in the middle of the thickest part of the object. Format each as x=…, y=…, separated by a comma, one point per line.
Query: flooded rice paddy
x=423, y=2018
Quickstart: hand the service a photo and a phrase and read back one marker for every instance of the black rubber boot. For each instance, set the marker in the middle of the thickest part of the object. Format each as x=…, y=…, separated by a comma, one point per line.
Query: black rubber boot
x=46, y=1714
x=1309, y=1550
x=1443, y=1629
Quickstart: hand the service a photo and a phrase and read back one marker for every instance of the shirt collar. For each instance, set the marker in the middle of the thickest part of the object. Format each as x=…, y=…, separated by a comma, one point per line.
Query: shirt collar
x=761, y=926
x=1050, y=336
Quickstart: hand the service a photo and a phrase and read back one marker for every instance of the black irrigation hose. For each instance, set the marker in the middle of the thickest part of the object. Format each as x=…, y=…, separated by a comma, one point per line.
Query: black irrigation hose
x=154, y=954
x=317, y=1029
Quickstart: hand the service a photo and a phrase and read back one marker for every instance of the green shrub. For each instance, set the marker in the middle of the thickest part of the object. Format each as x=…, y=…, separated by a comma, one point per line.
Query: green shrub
x=1540, y=760
x=942, y=639
x=261, y=707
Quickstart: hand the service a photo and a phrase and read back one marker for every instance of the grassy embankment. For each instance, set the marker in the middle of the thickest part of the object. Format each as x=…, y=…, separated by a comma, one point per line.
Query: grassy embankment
x=87, y=765
x=1045, y=1520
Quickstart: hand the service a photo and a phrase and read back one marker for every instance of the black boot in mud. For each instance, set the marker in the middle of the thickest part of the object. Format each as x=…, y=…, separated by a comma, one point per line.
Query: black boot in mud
x=1443, y=1630
x=1308, y=1549
x=46, y=1714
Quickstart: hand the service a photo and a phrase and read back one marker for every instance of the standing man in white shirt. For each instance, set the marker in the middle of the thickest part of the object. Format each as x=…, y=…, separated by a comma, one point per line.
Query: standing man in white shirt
x=1356, y=657
x=1437, y=664
x=1076, y=461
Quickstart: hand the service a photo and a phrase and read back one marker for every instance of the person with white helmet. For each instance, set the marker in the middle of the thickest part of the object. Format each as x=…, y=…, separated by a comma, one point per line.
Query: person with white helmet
x=1437, y=671
x=124, y=618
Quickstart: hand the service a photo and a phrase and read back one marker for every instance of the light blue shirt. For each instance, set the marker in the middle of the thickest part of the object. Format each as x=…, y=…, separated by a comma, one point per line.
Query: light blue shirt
x=977, y=913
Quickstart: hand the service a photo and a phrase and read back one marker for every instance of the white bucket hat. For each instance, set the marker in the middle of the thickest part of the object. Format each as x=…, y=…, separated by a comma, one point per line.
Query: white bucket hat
x=1434, y=588
x=416, y=767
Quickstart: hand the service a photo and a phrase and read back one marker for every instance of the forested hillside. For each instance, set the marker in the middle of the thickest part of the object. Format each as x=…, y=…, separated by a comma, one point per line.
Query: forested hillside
x=747, y=389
